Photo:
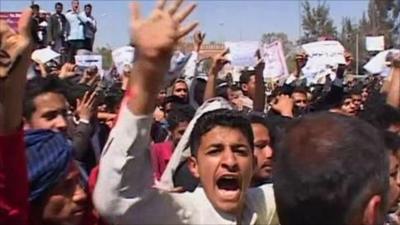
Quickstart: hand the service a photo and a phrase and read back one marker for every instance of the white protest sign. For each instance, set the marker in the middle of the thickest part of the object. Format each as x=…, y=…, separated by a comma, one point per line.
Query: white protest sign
x=375, y=43
x=242, y=53
x=377, y=65
x=274, y=58
x=44, y=55
x=123, y=56
x=90, y=60
x=321, y=56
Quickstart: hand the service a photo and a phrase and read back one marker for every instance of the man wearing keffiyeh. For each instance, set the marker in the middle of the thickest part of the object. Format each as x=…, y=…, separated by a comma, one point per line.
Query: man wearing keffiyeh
x=57, y=194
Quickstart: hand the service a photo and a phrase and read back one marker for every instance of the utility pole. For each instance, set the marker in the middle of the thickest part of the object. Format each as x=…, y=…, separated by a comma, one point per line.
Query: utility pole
x=357, y=52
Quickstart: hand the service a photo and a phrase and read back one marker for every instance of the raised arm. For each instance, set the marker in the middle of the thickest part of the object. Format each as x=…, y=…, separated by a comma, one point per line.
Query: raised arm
x=393, y=97
x=123, y=191
x=13, y=171
x=218, y=63
x=14, y=61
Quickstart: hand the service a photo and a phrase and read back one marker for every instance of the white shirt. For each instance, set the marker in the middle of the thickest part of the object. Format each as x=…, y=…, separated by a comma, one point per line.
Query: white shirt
x=124, y=193
x=76, y=25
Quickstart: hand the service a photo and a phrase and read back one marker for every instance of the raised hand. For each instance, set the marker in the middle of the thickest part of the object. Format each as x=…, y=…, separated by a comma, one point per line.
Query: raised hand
x=15, y=51
x=284, y=105
x=67, y=70
x=156, y=37
x=13, y=44
x=198, y=39
x=218, y=62
x=85, y=108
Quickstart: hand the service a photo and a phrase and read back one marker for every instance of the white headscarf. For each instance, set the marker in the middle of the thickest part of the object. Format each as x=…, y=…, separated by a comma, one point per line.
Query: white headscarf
x=182, y=150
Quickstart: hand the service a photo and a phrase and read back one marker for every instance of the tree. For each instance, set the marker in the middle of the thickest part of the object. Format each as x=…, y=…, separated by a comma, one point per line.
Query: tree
x=288, y=46
x=316, y=22
x=268, y=38
x=383, y=19
x=106, y=52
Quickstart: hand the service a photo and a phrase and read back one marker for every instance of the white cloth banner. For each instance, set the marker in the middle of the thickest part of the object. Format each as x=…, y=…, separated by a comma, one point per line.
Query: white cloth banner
x=321, y=56
x=242, y=53
x=44, y=55
x=89, y=60
x=375, y=43
x=123, y=56
x=377, y=65
x=274, y=58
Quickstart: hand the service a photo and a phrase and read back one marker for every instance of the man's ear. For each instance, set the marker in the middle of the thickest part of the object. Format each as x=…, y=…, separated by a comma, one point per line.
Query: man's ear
x=25, y=124
x=372, y=212
x=193, y=167
x=244, y=87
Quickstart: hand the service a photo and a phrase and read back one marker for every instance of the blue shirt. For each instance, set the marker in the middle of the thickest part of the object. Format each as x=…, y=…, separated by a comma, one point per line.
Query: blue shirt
x=76, y=25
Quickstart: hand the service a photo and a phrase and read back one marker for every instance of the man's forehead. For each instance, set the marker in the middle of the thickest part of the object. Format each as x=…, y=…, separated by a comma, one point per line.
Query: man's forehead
x=220, y=135
x=50, y=101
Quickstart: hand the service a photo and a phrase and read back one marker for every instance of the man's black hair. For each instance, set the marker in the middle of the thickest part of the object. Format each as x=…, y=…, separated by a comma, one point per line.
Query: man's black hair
x=35, y=7
x=246, y=75
x=58, y=4
x=392, y=142
x=327, y=176
x=225, y=118
x=88, y=5
x=174, y=100
x=199, y=89
x=262, y=119
x=300, y=89
x=179, y=114
x=36, y=87
x=381, y=116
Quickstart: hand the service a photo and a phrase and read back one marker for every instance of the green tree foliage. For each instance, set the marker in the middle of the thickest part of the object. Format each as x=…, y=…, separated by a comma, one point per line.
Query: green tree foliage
x=106, y=52
x=316, y=22
x=268, y=38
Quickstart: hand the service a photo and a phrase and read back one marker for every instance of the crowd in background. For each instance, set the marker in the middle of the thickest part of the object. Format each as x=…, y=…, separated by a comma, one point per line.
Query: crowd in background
x=168, y=142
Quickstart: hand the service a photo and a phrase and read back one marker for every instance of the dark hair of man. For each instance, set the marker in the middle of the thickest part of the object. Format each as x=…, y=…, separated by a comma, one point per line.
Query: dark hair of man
x=36, y=87
x=246, y=75
x=199, y=89
x=58, y=4
x=234, y=88
x=174, y=100
x=88, y=6
x=392, y=142
x=224, y=118
x=356, y=91
x=35, y=7
x=381, y=116
x=179, y=114
x=258, y=118
x=327, y=176
x=301, y=90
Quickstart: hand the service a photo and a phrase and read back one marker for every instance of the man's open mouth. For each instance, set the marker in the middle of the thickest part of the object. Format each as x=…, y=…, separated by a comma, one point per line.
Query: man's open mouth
x=228, y=183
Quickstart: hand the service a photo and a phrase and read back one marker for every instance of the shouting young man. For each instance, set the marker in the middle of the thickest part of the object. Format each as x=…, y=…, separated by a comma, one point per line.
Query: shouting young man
x=221, y=146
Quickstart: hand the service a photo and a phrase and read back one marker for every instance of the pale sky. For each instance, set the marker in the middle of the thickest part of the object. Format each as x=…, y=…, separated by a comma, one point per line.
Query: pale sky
x=222, y=20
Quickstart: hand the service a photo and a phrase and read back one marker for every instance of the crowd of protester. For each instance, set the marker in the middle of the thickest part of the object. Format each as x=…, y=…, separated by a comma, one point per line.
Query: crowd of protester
x=78, y=148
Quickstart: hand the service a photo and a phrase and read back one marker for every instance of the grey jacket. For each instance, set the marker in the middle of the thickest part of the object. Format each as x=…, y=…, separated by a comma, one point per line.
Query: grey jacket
x=55, y=30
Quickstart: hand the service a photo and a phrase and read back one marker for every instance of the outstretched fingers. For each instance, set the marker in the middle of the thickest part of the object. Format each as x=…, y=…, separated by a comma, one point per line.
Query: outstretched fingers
x=175, y=7
x=161, y=4
x=135, y=12
x=24, y=24
x=223, y=54
x=181, y=16
x=186, y=30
